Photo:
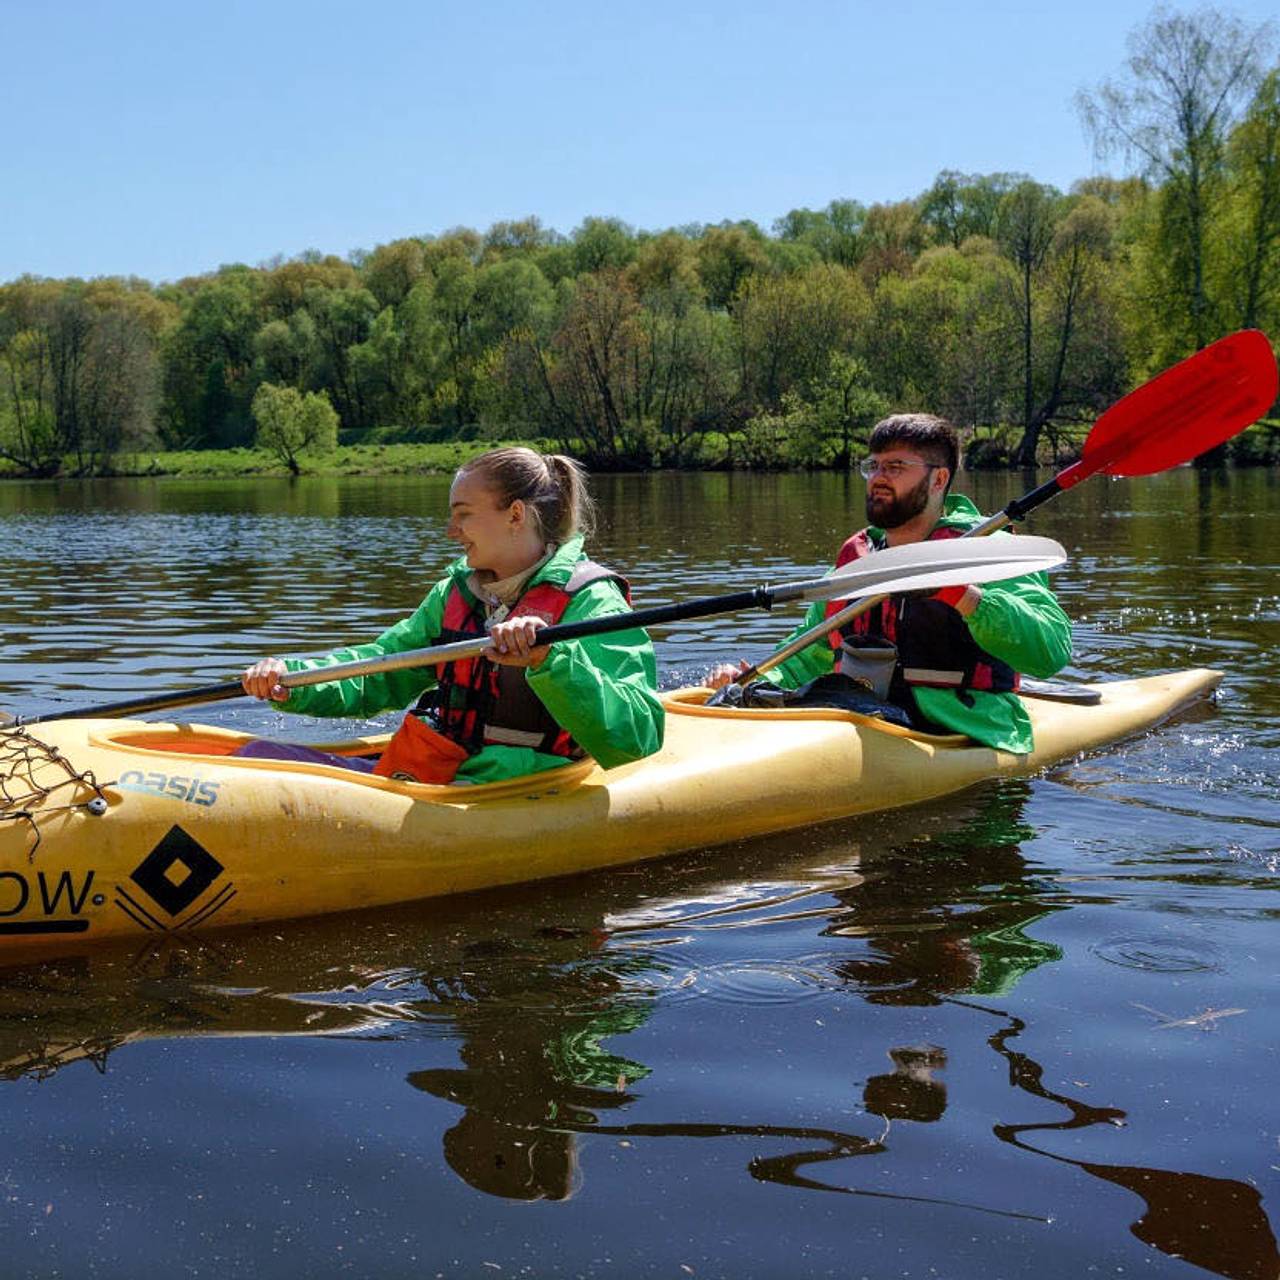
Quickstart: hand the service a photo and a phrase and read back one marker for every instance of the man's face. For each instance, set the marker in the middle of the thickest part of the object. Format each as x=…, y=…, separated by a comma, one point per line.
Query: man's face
x=898, y=489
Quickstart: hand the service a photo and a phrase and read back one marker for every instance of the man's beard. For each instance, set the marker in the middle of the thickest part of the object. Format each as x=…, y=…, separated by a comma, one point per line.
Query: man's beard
x=892, y=513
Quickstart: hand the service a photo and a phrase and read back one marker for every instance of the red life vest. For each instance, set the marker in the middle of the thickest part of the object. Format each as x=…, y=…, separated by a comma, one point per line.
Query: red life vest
x=936, y=650
x=478, y=703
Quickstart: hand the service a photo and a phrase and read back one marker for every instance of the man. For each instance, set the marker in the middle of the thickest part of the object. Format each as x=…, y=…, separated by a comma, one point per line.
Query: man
x=953, y=658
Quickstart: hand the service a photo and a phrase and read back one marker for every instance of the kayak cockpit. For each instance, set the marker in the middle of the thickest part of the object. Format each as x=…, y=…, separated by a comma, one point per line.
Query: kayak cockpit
x=193, y=743
x=692, y=702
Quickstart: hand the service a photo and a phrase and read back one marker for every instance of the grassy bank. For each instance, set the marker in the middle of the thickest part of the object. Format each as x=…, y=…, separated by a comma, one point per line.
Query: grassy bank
x=345, y=460
x=989, y=448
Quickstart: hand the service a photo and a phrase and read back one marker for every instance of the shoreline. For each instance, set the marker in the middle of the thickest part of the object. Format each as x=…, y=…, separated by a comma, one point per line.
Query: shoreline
x=444, y=457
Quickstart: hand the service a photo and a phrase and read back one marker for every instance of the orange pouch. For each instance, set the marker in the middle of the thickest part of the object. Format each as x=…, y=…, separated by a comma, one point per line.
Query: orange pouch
x=417, y=753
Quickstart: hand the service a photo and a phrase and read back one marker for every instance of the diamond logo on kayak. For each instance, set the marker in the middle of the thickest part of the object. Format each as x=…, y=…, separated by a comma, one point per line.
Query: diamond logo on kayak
x=177, y=871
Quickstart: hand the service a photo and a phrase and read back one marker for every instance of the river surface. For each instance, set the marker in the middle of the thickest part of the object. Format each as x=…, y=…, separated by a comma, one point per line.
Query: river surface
x=1032, y=1029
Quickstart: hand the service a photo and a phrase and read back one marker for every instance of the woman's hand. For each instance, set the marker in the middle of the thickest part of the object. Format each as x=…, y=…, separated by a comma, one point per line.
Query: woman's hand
x=262, y=680
x=513, y=643
x=720, y=676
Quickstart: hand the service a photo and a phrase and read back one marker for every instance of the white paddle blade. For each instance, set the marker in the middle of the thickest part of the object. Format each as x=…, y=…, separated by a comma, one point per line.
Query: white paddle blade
x=930, y=566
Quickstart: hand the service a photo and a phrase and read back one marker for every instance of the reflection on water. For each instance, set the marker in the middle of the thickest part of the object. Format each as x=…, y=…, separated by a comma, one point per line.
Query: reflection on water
x=1215, y=1223
x=943, y=1019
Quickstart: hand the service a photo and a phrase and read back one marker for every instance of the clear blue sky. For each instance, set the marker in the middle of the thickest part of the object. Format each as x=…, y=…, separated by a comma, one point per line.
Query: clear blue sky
x=162, y=139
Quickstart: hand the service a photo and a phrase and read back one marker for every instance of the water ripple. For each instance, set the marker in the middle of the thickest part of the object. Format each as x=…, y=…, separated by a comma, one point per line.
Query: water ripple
x=1160, y=954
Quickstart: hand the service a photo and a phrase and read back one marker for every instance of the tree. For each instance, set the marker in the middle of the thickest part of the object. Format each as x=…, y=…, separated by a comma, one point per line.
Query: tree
x=665, y=264
x=78, y=371
x=1024, y=230
x=834, y=233
x=1170, y=110
x=942, y=339
x=285, y=286
x=289, y=422
x=961, y=205
x=391, y=270
x=727, y=256
x=843, y=407
x=1079, y=360
x=27, y=434
x=789, y=326
x=342, y=318
x=893, y=236
x=523, y=236
x=208, y=360
x=602, y=244
x=287, y=350
x=1252, y=269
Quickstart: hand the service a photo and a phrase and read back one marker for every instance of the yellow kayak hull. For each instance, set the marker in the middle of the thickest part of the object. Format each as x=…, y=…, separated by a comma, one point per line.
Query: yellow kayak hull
x=117, y=828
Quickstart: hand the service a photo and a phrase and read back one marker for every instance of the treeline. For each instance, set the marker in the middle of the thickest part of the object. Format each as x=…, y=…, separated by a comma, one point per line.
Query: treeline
x=1014, y=308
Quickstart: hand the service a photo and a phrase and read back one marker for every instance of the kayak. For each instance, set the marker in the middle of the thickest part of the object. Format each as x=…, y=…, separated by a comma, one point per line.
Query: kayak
x=127, y=828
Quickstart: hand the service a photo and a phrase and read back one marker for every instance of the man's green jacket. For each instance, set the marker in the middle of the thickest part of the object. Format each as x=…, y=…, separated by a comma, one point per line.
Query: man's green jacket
x=1018, y=621
x=602, y=689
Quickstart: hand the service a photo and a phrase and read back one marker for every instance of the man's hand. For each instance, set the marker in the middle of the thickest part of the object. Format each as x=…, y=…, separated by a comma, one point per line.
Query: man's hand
x=262, y=680
x=513, y=643
x=721, y=675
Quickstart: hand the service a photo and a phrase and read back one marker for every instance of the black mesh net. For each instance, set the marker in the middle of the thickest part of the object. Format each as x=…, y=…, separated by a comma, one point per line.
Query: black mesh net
x=38, y=781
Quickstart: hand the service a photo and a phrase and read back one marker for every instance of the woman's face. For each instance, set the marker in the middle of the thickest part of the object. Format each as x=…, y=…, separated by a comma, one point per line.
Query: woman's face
x=491, y=536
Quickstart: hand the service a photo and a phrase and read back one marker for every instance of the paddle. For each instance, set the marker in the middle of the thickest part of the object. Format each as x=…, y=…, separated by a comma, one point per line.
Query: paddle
x=924, y=566
x=1181, y=413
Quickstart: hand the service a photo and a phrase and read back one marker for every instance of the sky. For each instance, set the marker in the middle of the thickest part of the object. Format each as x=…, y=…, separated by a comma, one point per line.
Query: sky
x=162, y=140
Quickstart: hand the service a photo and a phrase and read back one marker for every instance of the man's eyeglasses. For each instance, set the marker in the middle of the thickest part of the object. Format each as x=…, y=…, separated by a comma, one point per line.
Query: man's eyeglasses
x=893, y=469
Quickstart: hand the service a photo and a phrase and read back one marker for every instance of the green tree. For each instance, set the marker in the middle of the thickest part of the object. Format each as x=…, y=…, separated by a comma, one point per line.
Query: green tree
x=727, y=257
x=342, y=317
x=893, y=236
x=1170, y=110
x=208, y=360
x=1079, y=362
x=391, y=270
x=841, y=409
x=1025, y=223
x=789, y=326
x=582, y=383
x=944, y=338
x=524, y=236
x=666, y=264
x=961, y=205
x=287, y=351
x=290, y=423
x=79, y=371
x=834, y=233
x=602, y=244
x=1251, y=275
x=28, y=437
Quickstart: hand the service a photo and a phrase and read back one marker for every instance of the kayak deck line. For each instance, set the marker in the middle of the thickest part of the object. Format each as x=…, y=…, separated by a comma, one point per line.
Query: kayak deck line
x=190, y=838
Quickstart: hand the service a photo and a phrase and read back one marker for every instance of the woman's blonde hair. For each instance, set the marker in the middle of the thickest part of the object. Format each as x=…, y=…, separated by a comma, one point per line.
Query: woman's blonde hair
x=552, y=487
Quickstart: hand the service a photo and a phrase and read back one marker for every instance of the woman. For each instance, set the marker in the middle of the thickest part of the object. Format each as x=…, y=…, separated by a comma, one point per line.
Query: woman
x=520, y=518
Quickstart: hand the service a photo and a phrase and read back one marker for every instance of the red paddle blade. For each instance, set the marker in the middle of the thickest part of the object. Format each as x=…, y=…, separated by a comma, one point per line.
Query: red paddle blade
x=1198, y=403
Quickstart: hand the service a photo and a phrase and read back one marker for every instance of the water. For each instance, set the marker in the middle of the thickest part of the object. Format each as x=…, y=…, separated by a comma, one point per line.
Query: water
x=1028, y=1029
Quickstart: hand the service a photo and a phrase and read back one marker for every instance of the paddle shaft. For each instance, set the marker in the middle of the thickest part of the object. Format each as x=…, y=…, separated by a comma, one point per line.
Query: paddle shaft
x=757, y=597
